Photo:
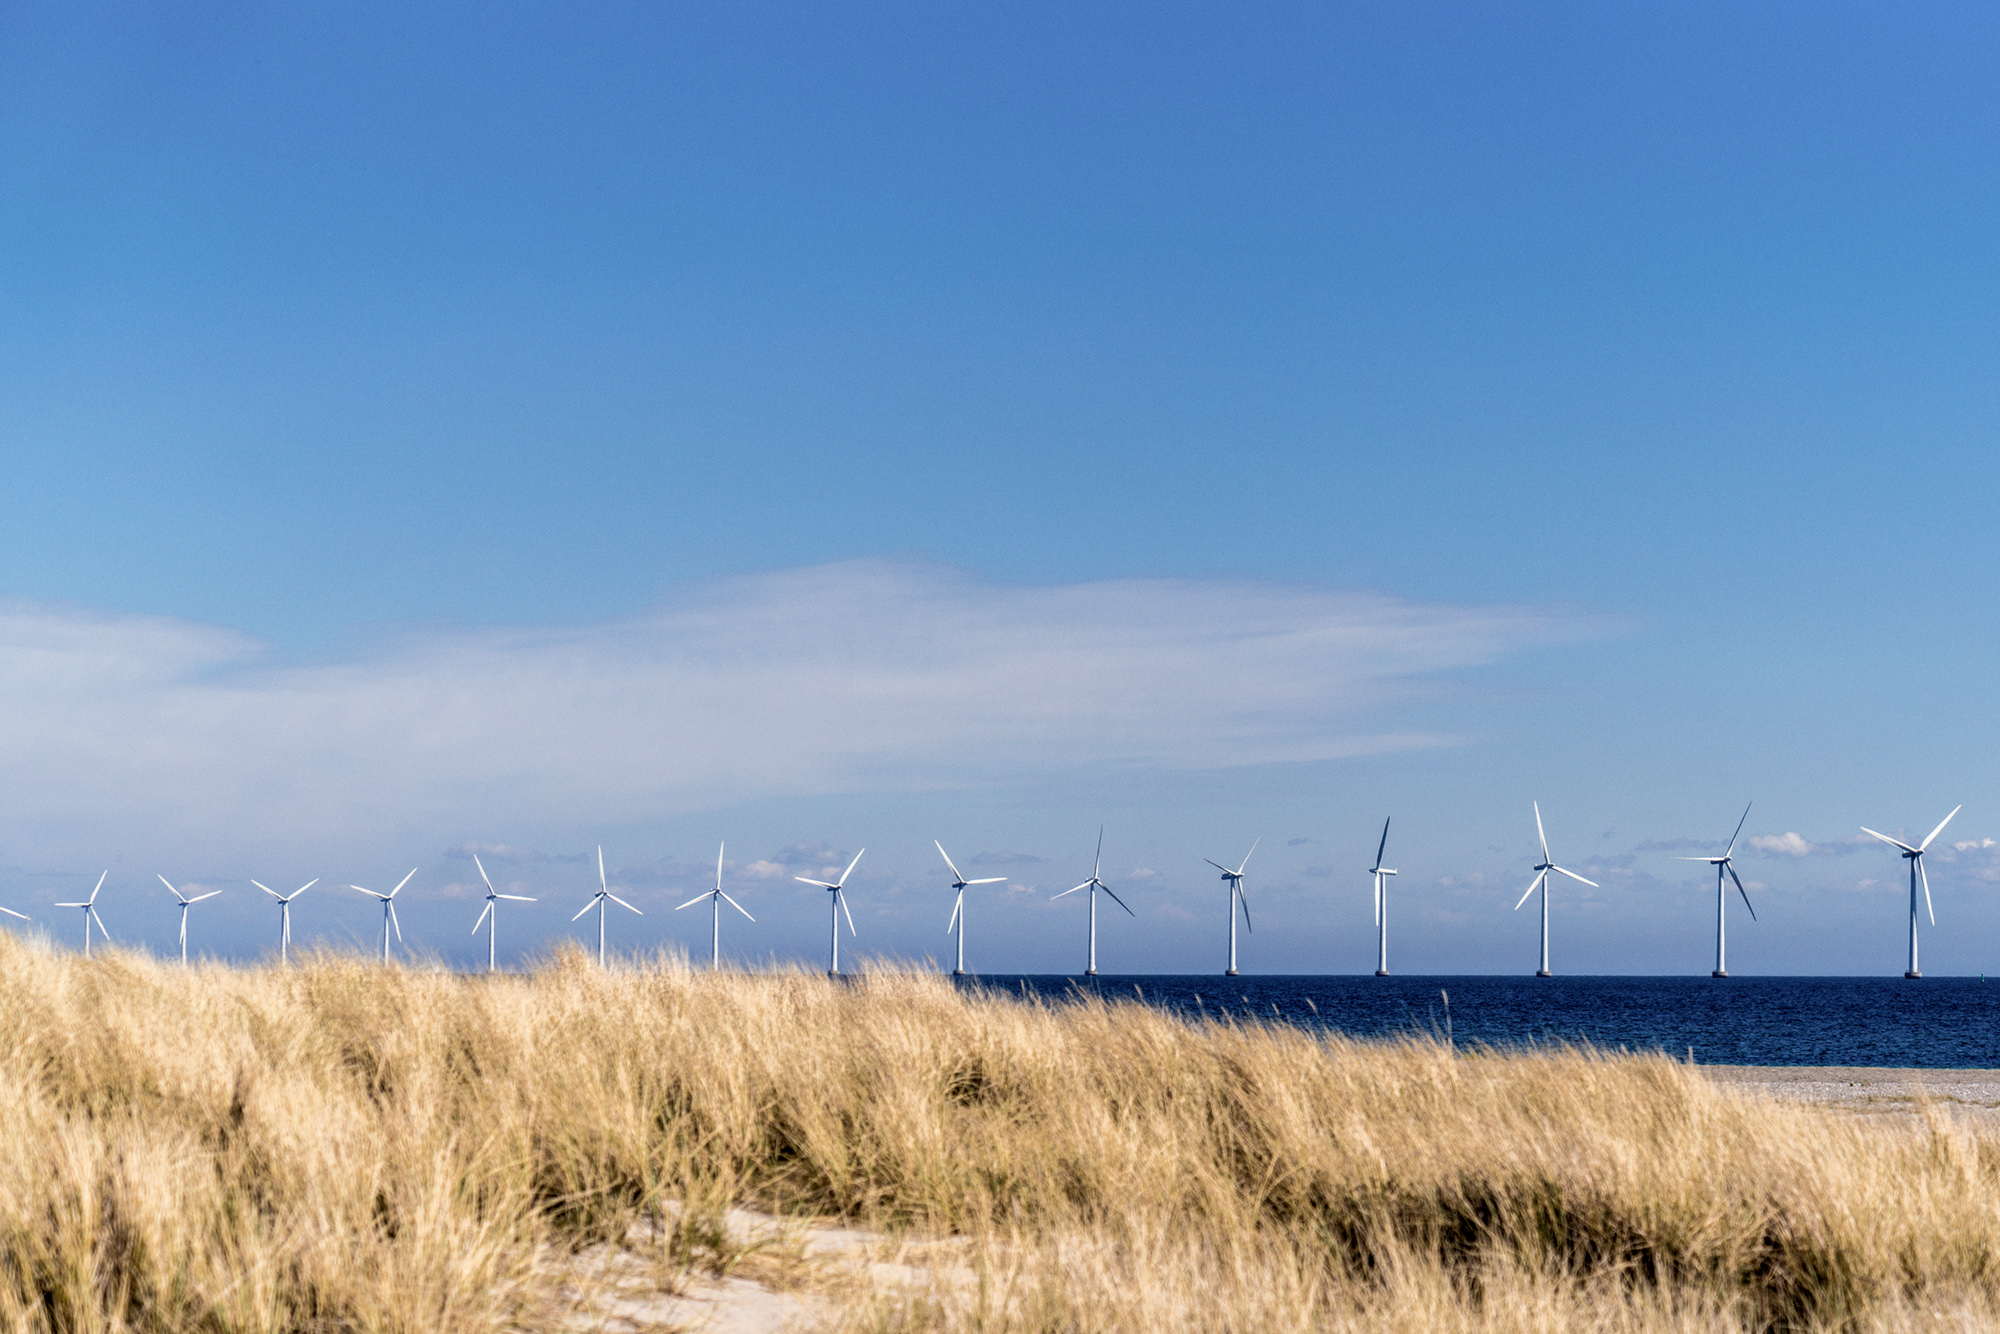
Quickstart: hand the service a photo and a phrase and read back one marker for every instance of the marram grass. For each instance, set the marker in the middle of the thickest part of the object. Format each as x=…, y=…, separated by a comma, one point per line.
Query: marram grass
x=344, y=1146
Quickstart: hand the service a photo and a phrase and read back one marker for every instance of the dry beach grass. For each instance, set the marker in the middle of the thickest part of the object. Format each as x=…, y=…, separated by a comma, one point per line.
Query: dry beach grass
x=342, y=1146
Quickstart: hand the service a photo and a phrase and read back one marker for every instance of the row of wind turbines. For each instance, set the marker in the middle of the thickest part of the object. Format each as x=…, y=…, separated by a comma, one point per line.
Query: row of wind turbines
x=489, y=916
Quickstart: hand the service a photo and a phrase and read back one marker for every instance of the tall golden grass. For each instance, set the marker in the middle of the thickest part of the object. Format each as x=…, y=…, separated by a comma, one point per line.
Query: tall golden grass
x=342, y=1145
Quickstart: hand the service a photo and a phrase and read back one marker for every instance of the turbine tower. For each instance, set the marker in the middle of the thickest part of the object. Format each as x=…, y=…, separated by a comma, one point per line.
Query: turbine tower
x=285, y=915
x=186, y=903
x=597, y=902
x=90, y=915
x=715, y=898
x=1095, y=883
x=1380, y=872
x=1235, y=879
x=1541, y=881
x=493, y=897
x=1723, y=866
x=1915, y=857
x=959, y=882
x=838, y=889
x=389, y=910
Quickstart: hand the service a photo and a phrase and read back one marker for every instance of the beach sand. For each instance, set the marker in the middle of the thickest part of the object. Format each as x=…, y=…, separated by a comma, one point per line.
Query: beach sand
x=1870, y=1090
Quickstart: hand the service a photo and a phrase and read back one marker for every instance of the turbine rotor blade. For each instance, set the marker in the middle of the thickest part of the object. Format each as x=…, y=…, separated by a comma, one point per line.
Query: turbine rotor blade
x=620, y=902
x=1114, y=898
x=1226, y=872
x=1922, y=875
x=1941, y=824
x=739, y=907
x=810, y=881
x=960, y=903
x=1894, y=842
x=267, y=889
x=393, y=922
x=956, y=874
x=705, y=894
x=107, y=930
x=1248, y=855
x=989, y=880
x=199, y=897
x=586, y=907
x=100, y=879
x=1244, y=899
x=841, y=899
x=11, y=913
x=1739, y=830
x=1744, y=892
x=600, y=867
x=1098, y=865
x=482, y=874
x=1085, y=885
x=1383, y=846
x=170, y=885
x=850, y=867
x=1541, y=831
x=1579, y=879
x=518, y=898
x=1532, y=886
x=482, y=917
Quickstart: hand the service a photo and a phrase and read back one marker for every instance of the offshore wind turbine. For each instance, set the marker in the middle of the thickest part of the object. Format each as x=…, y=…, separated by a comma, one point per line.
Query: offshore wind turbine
x=1380, y=872
x=959, y=882
x=597, y=902
x=388, y=910
x=838, y=889
x=285, y=915
x=1915, y=857
x=1235, y=879
x=1095, y=883
x=90, y=915
x=715, y=899
x=1541, y=881
x=493, y=896
x=1724, y=867
x=186, y=903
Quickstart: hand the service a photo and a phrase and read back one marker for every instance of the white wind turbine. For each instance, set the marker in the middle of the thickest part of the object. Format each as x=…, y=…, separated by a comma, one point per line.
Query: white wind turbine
x=186, y=903
x=285, y=915
x=597, y=902
x=1915, y=857
x=1541, y=881
x=715, y=898
x=959, y=882
x=839, y=892
x=493, y=896
x=1724, y=866
x=1235, y=879
x=1381, y=872
x=388, y=910
x=90, y=915
x=1094, y=884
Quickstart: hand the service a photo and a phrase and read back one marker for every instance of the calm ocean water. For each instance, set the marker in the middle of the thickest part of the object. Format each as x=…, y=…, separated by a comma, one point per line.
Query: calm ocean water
x=1938, y=1022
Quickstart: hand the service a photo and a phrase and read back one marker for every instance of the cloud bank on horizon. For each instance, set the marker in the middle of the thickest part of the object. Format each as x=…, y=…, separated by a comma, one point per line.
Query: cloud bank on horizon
x=857, y=676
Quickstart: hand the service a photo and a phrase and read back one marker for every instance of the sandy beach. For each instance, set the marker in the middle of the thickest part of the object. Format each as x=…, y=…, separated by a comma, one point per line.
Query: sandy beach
x=1869, y=1090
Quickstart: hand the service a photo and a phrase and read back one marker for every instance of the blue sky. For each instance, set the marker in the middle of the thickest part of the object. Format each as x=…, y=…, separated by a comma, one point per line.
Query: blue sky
x=432, y=427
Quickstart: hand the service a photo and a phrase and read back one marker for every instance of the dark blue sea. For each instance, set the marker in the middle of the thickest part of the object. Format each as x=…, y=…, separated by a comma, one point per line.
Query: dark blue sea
x=1936, y=1022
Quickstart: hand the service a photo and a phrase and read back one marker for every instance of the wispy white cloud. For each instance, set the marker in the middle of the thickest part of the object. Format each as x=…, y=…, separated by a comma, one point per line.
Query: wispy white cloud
x=1786, y=844
x=851, y=677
